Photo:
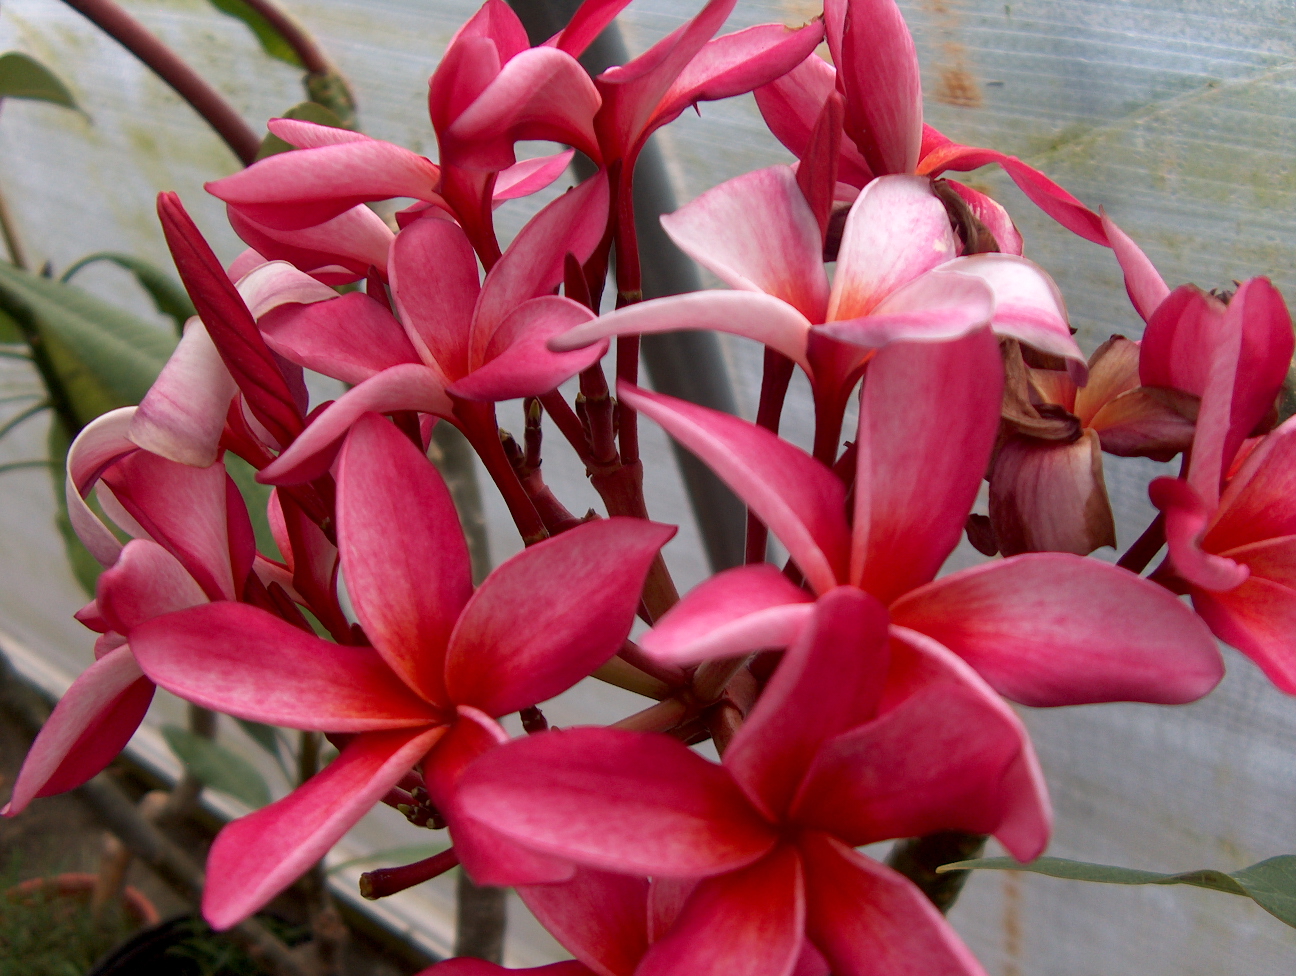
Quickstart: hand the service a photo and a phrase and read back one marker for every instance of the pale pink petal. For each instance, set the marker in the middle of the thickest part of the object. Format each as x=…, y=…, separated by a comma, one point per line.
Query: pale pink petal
x=407, y=387
x=355, y=239
x=1186, y=518
x=879, y=76
x=183, y=414
x=829, y=681
x=600, y=918
x=753, y=315
x=92, y=722
x=243, y=661
x=920, y=463
x=631, y=802
x=146, y=582
x=1049, y=496
x=749, y=922
x=934, y=306
x=797, y=497
x=246, y=262
x=867, y=919
x=1146, y=288
x=757, y=603
x=550, y=615
x=434, y=282
x=407, y=597
x=1258, y=502
x=757, y=233
x=310, y=135
x=351, y=337
x=1259, y=619
x=529, y=176
x=1057, y=629
x=258, y=856
x=100, y=443
x=897, y=229
x=1028, y=305
x=518, y=361
x=992, y=214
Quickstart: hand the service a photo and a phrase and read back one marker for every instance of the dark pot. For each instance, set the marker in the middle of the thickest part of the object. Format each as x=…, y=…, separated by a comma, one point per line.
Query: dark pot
x=183, y=946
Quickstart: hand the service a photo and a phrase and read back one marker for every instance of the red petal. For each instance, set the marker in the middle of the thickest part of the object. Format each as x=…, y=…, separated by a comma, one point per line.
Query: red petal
x=879, y=76
x=1259, y=619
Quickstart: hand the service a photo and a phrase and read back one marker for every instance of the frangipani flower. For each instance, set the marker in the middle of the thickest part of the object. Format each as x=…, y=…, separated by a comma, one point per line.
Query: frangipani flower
x=1041, y=628
x=445, y=662
x=840, y=751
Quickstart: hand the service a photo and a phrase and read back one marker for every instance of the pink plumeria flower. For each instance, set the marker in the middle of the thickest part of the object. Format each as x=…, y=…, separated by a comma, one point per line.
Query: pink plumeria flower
x=445, y=663
x=1041, y=628
x=898, y=276
x=842, y=749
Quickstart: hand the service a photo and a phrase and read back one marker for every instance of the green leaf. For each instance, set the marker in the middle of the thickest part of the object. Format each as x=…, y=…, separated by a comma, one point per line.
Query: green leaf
x=169, y=296
x=403, y=855
x=85, y=568
x=102, y=356
x=272, y=42
x=272, y=145
x=25, y=77
x=217, y=767
x=9, y=332
x=1271, y=884
x=263, y=735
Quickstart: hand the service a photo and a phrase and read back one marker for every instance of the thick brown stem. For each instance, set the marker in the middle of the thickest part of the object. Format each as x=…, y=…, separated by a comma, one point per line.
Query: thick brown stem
x=1145, y=547
x=919, y=857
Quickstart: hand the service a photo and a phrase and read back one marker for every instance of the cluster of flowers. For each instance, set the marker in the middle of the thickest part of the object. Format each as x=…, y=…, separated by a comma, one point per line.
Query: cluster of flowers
x=853, y=696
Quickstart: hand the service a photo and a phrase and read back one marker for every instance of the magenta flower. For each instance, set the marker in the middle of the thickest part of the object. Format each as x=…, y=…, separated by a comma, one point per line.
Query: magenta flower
x=841, y=750
x=445, y=662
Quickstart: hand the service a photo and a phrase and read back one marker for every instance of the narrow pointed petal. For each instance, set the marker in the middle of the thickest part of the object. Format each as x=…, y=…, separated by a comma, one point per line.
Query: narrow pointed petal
x=753, y=315
x=434, y=283
x=529, y=176
x=734, y=612
x=550, y=615
x=749, y=922
x=1257, y=504
x=240, y=660
x=89, y=726
x=1057, y=629
x=897, y=229
x=350, y=338
x=100, y=443
x=1050, y=497
x=146, y=582
x=586, y=24
x=630, y=802
x=757, y=233
x=407, y=597
x=600, y=918
x=879, y=75
x=1028, y=305
x=1186, y=519
x=1259, y=619
x=920, y=467
x=867, y=919
x=828, y=681
x=1145, y=286
x=407, y=387
x=934, y=306
x=258, y=856
x=518, y=361
x=992, y=214
x=797, y=497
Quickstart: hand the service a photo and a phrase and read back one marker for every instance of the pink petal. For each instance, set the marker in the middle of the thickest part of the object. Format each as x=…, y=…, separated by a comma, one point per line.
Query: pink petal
x=756, y=316
x=550, y=615
x=309, y=135
x=533, y=263
x=258, y=856
x=1048, y=496
x=243, y=661
x=879, y=76
x=275, y=283
x=749, y=922
x=1258, y=502
x=293, y=190
x=935, y=305
x=897, y=229
x=714, y=617
x=146, y=582
x=1178, y=345
x=434, y=281
x=407, y=387
x=830, y=680
x=407, y=597
x=355, y=239
x=101, y=442
x=1028, y=305
x=183, y=414
x=1186, y=518
x=799, y=499
x=1273, y=559
x=600, y=918
x=586, y=24
x=920, y=464
x=1259, y=619
x=866, y=919
x=529, y=176
x=89, y=726
x=468, y=966
x=1145, y=286
x=757, y=233
x=350, y=338
x=631, y=802
x=992, y=214
x=1057, y=629
x=518, y=362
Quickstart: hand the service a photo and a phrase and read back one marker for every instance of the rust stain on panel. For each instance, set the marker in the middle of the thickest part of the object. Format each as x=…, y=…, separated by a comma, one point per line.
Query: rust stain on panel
x=1012, y=924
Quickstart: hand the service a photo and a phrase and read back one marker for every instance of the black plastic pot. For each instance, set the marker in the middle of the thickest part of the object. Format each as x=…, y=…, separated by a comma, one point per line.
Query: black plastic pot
x=183, y=946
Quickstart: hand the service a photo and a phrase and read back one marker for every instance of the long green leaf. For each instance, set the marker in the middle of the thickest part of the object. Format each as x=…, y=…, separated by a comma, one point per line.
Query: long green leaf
x=1271, y=884
x=25, y=77
x=271, y=40
x=217, y=767
x=405, y=855
x=169, y=297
